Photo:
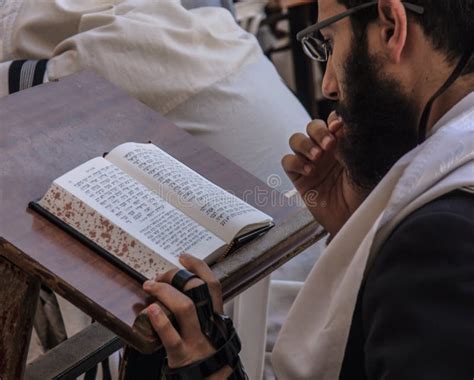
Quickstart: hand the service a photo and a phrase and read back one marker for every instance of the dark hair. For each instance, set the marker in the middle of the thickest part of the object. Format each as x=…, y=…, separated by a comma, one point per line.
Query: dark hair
x=449, y=24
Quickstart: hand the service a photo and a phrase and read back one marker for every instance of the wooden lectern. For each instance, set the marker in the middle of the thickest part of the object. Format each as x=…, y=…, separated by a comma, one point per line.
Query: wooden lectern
x=49, y=129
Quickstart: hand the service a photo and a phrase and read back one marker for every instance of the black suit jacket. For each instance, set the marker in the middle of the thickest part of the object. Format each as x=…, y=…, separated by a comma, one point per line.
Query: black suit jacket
x=414, y=317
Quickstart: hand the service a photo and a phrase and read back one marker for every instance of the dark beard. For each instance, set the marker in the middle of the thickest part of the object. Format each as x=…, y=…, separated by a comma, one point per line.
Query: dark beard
x=380, y=121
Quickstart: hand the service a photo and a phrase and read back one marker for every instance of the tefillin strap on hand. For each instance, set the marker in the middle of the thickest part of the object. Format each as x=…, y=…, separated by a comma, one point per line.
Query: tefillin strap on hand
x=222, y=335
x=226, y=355
x=210, y=325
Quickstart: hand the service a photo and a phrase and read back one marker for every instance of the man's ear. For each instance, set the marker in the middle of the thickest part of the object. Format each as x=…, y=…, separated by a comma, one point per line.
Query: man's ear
x=393, y=28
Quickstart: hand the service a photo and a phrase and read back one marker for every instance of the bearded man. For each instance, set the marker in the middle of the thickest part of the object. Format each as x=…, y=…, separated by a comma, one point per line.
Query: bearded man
x=391, y=178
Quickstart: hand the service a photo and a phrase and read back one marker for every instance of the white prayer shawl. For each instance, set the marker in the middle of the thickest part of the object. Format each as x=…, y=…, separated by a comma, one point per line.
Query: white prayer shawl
x=313, y=339
x=156, y=50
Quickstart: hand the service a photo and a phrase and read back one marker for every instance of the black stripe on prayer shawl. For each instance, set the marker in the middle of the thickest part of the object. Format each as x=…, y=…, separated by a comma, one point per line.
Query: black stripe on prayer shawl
x=40, y=70
x=14, y=76
x=23, y=74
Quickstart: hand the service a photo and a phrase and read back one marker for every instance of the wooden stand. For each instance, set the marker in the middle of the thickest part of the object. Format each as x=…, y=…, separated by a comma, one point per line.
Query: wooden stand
x=18, y=297
x=50, y=129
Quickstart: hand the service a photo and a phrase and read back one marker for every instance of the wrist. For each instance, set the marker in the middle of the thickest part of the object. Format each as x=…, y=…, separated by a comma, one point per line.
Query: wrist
x=215, y=365
x=222, y=374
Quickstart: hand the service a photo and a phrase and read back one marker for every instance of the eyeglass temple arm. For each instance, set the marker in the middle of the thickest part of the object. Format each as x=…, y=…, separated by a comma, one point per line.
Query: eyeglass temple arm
x=320, y=25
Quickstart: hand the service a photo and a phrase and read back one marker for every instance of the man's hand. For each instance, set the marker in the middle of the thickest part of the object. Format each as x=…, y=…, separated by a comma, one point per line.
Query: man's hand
x=319, y=175
x=189, y=344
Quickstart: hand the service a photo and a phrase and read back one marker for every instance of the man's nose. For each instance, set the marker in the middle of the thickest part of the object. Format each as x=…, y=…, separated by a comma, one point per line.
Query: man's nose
x=330, y=85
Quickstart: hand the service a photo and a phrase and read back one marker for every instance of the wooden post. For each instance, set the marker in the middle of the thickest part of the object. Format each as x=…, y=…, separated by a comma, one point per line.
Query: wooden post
x=18, y=298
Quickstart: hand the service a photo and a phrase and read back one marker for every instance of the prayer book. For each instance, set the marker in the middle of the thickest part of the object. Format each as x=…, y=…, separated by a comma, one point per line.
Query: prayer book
x=141, y=208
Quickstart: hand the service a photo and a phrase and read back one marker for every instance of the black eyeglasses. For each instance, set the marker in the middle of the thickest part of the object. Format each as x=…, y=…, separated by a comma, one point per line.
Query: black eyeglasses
x=320, y=49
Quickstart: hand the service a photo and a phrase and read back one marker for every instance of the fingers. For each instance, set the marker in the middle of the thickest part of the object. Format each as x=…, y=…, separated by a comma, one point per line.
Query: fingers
x=301, y=144
x=321, y=138
x=165, y=330
x=205, y=273
x=309, y=149
x=181, y=306
x=333, y=116
x=306, y=152
x=335, y=123
x=168, y=277
x=317, y=130
x=296, y=166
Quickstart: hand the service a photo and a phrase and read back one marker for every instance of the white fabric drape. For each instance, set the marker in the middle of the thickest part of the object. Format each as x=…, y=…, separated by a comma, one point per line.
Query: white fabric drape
x=171, y=53
x=312, y=341
x=197, y=67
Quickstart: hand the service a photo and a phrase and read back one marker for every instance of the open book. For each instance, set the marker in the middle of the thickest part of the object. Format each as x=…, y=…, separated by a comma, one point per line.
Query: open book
x=142, y=208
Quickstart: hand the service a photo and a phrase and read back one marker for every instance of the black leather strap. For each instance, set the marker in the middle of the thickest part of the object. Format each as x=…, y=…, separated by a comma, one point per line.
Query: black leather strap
x=211, y=324
x=219, y=330
x=200, y=294
x=451, y=79
x=227, y=355
x=190, y=372
x=205, y=311
x=181, y=278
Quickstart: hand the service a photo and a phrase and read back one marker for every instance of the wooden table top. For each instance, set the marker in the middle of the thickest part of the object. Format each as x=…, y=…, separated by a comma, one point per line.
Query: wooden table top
x=49, y=129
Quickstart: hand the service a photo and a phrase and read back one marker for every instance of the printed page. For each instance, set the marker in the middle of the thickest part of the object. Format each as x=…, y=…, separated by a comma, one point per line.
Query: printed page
x=141, y=212
x=219, y=211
